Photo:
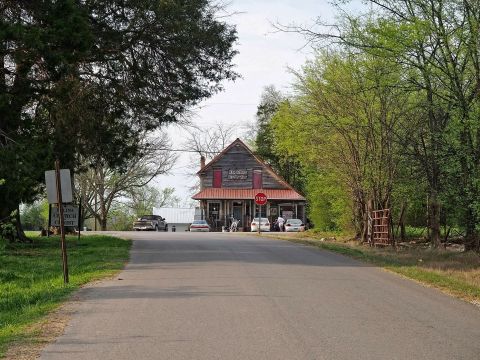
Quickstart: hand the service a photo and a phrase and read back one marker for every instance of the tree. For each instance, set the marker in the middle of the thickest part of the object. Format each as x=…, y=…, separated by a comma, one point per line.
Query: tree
x=35, y=216
x=140, y=202
x=285, y=165
x=78, y=78
x=143, y=200
x=356, y=143
x=439, y=51
x=100, y=187
x=435, y=43
x=209, y=142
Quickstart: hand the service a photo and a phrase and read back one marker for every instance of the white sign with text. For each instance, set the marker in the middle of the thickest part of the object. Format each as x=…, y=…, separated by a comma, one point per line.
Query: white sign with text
x=70, y=214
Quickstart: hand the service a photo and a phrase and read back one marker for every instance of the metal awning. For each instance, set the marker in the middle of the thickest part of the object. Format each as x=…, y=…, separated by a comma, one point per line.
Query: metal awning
x=247, y=194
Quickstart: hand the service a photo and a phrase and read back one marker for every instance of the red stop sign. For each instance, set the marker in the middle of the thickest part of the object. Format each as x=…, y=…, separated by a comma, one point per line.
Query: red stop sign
x=260, y=199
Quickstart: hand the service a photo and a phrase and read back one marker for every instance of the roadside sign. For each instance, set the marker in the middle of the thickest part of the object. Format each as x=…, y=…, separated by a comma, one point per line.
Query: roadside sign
x=260, y=199
x=66, y=182
x=70, y=215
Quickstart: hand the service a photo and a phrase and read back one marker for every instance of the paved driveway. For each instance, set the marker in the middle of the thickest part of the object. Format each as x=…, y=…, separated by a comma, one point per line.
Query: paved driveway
x=228, y=296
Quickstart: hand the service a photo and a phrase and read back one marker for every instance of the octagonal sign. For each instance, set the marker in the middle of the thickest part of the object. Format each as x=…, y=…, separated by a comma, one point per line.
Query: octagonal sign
x=260, y=199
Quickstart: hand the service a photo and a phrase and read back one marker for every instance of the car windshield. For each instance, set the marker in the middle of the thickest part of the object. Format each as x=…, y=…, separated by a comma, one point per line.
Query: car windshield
x=261, y=220
x=148, y=217
x=294, y=221
x=199, y=222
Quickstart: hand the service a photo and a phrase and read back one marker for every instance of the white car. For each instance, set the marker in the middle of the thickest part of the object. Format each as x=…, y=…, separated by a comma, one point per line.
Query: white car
x=264, y=224
x=294, y=225
x=199, y=225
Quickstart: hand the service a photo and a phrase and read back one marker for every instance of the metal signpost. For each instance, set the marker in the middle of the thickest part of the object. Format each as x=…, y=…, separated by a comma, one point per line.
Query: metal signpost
x=59, y=190
x=260, y=199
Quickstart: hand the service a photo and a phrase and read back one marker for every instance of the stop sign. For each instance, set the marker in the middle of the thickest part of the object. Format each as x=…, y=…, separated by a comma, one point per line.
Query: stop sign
x=260, y=199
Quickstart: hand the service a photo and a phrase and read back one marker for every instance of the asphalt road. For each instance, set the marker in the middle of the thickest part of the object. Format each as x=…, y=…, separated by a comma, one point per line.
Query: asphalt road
x=228, y=296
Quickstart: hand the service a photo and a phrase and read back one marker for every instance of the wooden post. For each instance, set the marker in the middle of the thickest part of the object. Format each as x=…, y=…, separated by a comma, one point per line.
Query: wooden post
x=62, y=225
x=79, y=218
x=259, y=216
x=49, y=219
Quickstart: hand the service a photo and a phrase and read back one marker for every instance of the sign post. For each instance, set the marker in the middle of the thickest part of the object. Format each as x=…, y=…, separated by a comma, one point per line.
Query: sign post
x=59, y=190
x=62, y=220
x=260, y=199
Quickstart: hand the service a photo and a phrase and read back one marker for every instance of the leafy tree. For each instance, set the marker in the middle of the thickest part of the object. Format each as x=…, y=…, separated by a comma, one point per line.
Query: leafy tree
x=83, y=80
x=354, y=142
x=435, y=44
x=140, y=202
x=35, y=216
x=100, y=187
x=286, y=165
x=143, y=200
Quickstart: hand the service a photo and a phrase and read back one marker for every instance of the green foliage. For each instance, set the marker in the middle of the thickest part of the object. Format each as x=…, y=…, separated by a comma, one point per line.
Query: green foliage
x=284, y=163
x=391, y=111
x=83, y=89
x=30, y=289
x=35, y=216
x=328, y=203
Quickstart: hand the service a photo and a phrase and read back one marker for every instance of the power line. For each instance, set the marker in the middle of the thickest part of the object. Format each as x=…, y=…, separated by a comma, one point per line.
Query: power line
x=189, y=151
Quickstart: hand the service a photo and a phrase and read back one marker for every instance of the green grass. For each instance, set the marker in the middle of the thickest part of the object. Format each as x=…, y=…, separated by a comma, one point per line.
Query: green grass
x=456, y=273
x=31, y=277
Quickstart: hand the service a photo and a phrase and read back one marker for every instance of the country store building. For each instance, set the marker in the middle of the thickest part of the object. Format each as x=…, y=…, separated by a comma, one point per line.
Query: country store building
x=229, y=182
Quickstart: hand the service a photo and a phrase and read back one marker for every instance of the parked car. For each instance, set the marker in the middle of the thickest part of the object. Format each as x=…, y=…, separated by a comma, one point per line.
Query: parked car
x=150, y=222
x=264, y=224
x=296, y=225
x=199, y=225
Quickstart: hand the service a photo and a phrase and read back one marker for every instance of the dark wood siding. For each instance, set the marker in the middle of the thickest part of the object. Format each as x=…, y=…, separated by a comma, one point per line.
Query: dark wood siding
x=239, y=159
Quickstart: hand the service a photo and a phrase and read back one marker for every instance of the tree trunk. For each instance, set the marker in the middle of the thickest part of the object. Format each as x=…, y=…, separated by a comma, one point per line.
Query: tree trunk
x=20, y=234
x=401, y=221
x=434, y=221
x=11, y=216
x=472, y=240
x=103, y=224
x=367, y=214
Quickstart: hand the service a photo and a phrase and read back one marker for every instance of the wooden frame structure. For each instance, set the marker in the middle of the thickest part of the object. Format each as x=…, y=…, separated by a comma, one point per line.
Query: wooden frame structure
x=379, y=228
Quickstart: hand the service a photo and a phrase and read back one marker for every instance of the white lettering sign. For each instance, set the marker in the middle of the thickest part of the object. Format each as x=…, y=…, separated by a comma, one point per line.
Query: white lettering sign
x=237, y=174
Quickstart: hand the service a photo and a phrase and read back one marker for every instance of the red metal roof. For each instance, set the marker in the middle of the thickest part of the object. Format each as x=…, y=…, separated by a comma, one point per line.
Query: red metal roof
x=241, y=194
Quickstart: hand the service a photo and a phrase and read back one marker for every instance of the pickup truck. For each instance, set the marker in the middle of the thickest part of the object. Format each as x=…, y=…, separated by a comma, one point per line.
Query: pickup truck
x=150, y=222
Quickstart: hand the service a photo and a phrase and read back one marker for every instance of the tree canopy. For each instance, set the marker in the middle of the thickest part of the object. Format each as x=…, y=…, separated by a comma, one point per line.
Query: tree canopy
x=388, y=112
x=84, y=80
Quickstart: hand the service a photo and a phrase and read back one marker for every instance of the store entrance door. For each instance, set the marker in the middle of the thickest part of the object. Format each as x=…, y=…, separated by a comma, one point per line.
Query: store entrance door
x=237, y=212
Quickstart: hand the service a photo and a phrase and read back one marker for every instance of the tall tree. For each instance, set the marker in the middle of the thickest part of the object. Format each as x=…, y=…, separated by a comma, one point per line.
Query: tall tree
x=286, y=165
x=92, y=76
x=101, y=186
x=436, y=45
x=354, y=142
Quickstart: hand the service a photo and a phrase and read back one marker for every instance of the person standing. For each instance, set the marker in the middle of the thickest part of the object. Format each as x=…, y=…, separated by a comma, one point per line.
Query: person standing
x=281, y=222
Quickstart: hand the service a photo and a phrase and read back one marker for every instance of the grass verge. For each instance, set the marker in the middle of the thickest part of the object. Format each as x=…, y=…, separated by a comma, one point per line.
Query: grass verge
x=31, y=278
x=453, y=272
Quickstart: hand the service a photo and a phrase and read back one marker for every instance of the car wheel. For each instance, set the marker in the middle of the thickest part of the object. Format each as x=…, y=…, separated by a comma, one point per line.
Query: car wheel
x=166, y=228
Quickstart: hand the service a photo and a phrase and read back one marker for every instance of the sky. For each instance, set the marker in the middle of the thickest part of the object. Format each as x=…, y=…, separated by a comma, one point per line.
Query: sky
x=264, y=57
